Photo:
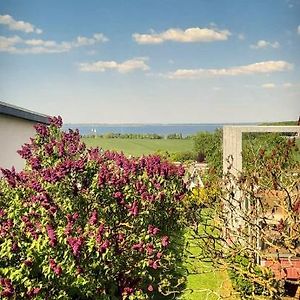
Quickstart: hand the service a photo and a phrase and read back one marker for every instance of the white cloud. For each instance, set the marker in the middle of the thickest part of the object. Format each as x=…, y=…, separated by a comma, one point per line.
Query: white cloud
x=256, y=68
x=12, y=24
x=298, y=29
x=241, y=37
x=262, y=44
x=268, y=85
x=17, y=45
x=194, y=34
x=84, y=41
x=124, y=67
x=7, y=43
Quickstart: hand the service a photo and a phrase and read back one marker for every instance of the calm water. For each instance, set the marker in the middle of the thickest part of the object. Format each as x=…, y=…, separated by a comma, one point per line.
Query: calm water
x=160, y=129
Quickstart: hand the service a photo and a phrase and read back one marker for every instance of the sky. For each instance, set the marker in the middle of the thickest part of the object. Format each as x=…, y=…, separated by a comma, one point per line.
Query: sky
x=152, y=61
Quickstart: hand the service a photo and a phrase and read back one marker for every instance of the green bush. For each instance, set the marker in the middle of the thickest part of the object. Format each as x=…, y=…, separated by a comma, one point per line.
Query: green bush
x=80, y=224
x=183, y=156
x=208, y=147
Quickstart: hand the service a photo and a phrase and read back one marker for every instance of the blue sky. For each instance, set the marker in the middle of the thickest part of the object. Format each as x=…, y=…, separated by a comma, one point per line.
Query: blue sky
x=154, y=61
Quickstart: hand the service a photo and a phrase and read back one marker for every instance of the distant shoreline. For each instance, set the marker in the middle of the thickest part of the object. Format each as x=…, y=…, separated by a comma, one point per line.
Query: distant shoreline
x=159, y=129
x=158, y=124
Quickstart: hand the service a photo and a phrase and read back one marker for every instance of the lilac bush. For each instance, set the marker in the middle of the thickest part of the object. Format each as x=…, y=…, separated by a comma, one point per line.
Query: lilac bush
x=80, y=223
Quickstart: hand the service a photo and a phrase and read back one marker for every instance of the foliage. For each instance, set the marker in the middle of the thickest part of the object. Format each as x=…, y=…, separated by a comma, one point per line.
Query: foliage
x=78, y=223
x=257, y=144
x=254, y=223
x=183, y=156
x=282, y=123
x=175, y=136
x=209, y=146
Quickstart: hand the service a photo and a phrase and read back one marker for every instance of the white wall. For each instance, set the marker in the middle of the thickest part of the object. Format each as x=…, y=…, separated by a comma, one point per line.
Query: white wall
x=14, y=132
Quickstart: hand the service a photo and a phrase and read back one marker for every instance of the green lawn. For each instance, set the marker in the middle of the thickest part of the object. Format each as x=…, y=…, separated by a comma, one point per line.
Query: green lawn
x=138, y=147
x=204, y=282
x=208, y=284
x=298, y=153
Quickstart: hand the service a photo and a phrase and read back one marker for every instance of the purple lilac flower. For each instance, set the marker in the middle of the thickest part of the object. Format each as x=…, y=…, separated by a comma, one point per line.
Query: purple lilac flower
x=154, y=264
x=30, y=227
x=150, y=288
x=94, y=217
x=32, y=292
x=35, y=186
x=138, y=247
x=133, y=208
x=51, y=235
x=42, y=130
x=5, y=227
x=153, y=230
x=56, y=121
x=75, y=244
x=7, y=287
x=104, y=246
x=25, y=151
x=35, y=163
x=28, y=262
x=149, y=249
x=55, y=267
x=71, y=220
x=10, y=176
x=165, y=241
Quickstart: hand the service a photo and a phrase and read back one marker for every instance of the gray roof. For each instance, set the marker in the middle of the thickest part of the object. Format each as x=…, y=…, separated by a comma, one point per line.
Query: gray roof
x=19, y=112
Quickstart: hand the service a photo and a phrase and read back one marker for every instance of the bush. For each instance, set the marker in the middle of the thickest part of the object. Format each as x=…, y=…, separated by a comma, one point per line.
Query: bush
x=208, y=147
x=80, y=224
x=183, y=156
x=175, y=136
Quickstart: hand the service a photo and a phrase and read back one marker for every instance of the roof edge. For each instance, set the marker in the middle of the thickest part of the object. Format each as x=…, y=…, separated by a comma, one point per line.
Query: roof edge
x=19, y=112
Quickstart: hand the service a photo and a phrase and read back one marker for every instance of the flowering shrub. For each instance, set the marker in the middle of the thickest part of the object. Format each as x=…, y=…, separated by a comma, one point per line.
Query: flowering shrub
x=79, y=223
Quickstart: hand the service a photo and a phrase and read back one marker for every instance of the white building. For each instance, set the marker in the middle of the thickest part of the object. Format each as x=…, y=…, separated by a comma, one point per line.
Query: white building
x=16, y=127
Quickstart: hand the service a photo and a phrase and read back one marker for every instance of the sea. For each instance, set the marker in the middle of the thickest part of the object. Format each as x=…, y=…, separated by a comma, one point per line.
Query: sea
x=160, y=129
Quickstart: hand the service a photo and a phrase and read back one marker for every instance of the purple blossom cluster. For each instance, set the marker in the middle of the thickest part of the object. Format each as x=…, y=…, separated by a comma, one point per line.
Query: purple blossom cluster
x=30, y=227
x=55, y=267
x=75, y=243
x=32, y=292
x=71, y=219
x=94, y=217
x=7, y=288
x=165, y=241
x=6, y=224
x=153, y=230
x=56, y=121
x=42, y=130
x=51, y=235
x=10, y=176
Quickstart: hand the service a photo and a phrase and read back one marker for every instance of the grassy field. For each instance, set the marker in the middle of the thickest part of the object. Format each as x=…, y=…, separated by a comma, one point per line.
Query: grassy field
x=138, y=147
